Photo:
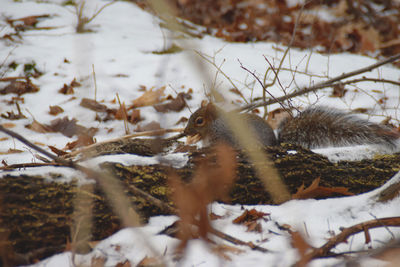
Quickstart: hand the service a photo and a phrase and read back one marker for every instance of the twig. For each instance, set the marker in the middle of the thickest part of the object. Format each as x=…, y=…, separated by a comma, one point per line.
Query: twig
x=349, y=231
x=365, y=79
x=259, y=81
x=35, y=147
x=30, y=165
x=318, y=86
x=223, y=74
x=147, y=133
x=236, y=241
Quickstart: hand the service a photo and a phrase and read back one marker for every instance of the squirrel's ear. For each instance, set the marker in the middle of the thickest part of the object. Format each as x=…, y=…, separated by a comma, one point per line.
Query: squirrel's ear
x=204, y=103
x=211, y=110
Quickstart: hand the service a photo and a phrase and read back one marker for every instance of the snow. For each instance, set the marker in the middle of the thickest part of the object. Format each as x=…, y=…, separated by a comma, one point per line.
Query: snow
x=120, y=51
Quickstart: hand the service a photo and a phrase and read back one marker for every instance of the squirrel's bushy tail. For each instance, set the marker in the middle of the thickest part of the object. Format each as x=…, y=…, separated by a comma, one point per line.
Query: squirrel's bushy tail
x=318, y=127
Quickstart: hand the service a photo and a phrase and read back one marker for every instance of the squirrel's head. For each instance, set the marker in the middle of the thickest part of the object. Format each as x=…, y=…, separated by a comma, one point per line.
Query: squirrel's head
x=198, y=126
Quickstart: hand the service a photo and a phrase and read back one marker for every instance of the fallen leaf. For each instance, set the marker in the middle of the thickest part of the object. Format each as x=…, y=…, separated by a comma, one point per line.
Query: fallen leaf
x=93, y=105
x=338, y=90
x=134, y=117
x=11, y=151
x=207, y=185
x=69, y=89
x=121, y=113
x=126, y=263
x=83, y=140
x=214, y=216
x=28, y=22
x=249, y=218
x=38, y=127
x=57, y=151
x=302, y=247
x=98, y=261
x=223, y=250
x=176, y=104
x=12, y=116
x=149, y=98
x=250, y=215
x=8, y=125
x=149, y=262
x=55, y=110
x=19, y=87
x=70, y=128
x=315, y=190
x=151, y=126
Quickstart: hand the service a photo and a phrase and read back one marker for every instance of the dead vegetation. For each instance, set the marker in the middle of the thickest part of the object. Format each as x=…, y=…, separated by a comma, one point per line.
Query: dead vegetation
x=209, y=176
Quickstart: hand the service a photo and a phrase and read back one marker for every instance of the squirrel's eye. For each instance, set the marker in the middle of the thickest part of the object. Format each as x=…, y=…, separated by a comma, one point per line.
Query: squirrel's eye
x=199, y=121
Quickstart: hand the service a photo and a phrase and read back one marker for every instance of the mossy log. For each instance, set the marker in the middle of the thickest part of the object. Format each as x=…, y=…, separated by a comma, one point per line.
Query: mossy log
x=36, y=211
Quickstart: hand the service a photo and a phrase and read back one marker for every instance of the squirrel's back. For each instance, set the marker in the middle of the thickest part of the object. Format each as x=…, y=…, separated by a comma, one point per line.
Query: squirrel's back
x=318, y=127
x=207, y=123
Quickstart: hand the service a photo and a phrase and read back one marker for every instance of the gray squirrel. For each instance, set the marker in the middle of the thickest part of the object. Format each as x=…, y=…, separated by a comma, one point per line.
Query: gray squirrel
x=315, y=127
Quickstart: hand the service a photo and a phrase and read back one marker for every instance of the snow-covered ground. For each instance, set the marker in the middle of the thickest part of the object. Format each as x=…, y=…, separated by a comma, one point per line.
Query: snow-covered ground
x=120, y=50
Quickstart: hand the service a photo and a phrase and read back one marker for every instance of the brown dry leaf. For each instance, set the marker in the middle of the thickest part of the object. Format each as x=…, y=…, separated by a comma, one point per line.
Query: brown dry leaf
x=8, y=125
x=19, y=87
x=12, y=116
x=38, y=127
x=74, y=83
x=134, y=117
x=315, y=190
x=149, y=98
x=126, y=263
x=149, y=262
x=214, y=216
x=83, y=140
x=383, y=100
x=70, y=128
x=357, y=37
x=223, y=250
x=151, y=126
x=29, y=21
x=210, y=182
x=249, y=218
x=57, y=151
x=55, y=110
x=98, y=262
x=302, y=247
x=122, y=113
x=253, y=227
x=11, y=151
x=338, y=90
x=93, y=105
x=176, y=104
x=69, y=89
x=3, y=138
x=250, y=215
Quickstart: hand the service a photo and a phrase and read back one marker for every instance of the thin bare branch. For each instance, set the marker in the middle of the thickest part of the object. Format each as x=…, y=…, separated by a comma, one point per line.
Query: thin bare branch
x=325, y=84
x=324, y=250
